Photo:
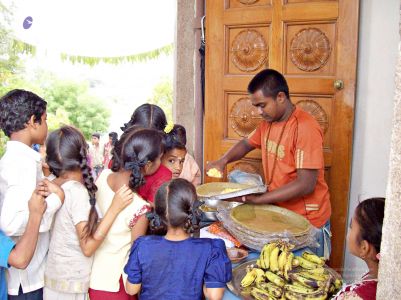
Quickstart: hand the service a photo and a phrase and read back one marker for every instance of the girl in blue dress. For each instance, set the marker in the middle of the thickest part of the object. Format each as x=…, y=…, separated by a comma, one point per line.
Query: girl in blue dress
x=177, y=266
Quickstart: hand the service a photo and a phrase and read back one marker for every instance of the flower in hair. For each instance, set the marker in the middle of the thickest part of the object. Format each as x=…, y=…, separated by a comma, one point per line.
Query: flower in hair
x=168, y=127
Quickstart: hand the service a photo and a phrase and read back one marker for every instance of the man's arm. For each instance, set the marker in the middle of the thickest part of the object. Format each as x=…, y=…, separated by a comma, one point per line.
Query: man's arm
x=22, y=254
x=304, y=184
x=238, y=151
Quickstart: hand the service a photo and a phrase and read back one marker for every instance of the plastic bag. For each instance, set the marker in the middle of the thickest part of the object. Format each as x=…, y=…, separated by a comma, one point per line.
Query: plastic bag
x=239, y=176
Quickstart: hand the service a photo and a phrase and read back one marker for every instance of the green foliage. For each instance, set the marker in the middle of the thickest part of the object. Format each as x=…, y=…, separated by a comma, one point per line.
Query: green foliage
x=163, y=96
x=3, y=141
x=70, y=103
x=10, y=62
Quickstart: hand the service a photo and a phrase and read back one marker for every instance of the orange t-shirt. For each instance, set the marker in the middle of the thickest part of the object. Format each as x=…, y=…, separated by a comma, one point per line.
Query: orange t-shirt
x=301, y=147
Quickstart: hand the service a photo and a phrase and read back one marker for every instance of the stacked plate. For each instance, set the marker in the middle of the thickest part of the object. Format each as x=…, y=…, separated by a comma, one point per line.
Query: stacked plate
x=257, y=225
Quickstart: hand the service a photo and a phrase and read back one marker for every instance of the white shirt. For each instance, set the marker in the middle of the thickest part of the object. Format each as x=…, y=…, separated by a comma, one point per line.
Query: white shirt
x=20, y=170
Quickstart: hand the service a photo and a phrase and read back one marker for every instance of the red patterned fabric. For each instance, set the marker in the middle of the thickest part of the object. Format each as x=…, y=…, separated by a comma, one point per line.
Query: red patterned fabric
x=145, y=209
x=363, y=290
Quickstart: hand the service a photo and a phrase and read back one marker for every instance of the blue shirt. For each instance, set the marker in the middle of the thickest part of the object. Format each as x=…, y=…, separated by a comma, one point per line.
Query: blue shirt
x=177, y=269
x=6, y=245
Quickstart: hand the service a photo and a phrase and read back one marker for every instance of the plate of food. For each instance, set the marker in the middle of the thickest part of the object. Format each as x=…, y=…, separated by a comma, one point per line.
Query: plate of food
x=226, y=190
x=269, y=219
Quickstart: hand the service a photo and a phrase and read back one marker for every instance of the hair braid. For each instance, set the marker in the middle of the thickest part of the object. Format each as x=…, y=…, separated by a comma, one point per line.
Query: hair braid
x=89, y=183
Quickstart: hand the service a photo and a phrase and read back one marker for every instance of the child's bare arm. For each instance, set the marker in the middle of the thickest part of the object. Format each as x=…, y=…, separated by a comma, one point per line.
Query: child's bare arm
x=122, y=198
x=132, y=288
x=213, y=293
x=22, y=254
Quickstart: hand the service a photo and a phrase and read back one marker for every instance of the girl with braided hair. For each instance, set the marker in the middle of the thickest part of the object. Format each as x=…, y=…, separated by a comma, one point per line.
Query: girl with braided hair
x=186, y=267
x=140, y=152
x=76, y=233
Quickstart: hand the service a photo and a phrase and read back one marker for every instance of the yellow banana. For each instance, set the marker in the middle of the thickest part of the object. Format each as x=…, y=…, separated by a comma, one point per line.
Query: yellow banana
x=274, y=259
x=282, y=259
x=338, y=283
x=260, y=275
x=319, y=277
x=295, y=262
x=305, y=281
x=273, y=289
x=249, y=278
x=270, y=247
x=288, y=265
x=313, y=258
x=300, y=289
x=264, y=256
x=306, y=264
x=260, y=294
x=277, y=280
x=318, y=270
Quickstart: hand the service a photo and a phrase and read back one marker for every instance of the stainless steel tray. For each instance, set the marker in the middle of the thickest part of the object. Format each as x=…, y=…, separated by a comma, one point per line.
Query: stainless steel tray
x=239, y=272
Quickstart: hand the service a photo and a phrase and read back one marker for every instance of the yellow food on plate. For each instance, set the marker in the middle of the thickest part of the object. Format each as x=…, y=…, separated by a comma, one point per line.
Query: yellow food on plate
x=213, y=172
x=229, y=190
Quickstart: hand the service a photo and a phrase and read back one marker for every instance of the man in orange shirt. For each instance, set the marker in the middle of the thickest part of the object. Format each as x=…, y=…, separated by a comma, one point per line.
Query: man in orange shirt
x=291, y=141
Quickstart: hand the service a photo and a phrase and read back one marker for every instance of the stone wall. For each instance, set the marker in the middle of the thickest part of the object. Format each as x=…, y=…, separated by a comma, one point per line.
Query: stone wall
x=390, y=264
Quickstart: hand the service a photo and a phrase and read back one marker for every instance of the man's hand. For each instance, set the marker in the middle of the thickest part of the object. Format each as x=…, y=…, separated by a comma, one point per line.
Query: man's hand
x=217, y=165
x=37, y=204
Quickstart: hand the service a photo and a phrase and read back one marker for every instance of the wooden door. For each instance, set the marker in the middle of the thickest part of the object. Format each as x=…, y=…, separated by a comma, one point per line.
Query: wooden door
x=314, y=44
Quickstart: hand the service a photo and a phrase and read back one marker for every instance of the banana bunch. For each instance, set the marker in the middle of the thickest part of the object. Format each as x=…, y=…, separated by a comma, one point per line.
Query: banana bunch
x=278, y=274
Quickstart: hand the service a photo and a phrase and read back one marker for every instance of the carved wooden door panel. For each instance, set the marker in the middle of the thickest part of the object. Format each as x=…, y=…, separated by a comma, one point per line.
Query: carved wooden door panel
x=314, y=44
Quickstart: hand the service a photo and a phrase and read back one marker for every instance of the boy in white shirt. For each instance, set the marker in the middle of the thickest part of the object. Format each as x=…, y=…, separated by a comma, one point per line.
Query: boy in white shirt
x=23, y=120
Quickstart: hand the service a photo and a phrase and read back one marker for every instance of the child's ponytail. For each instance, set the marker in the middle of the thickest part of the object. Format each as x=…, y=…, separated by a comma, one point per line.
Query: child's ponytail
x=137, y=178
x=176, y=205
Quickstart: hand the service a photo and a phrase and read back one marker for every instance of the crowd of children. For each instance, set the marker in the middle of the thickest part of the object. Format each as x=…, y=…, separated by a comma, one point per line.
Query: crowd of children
x=68, y=235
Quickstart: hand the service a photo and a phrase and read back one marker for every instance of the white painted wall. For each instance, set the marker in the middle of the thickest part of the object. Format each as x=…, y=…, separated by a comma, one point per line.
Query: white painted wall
x=378, y=49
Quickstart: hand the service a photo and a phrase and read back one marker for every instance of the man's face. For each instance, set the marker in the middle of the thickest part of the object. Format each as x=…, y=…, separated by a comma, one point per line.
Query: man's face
x=95, y=140
x=268, y=108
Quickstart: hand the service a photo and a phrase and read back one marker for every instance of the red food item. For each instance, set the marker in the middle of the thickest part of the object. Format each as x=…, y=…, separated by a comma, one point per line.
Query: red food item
x=218, y=229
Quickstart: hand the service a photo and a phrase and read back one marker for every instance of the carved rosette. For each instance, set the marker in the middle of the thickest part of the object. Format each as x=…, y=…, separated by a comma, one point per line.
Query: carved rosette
x=317, y=111
x=310, y=49
x=249, y=50
x=245, y=167
x=244, y=117
x=248, y=2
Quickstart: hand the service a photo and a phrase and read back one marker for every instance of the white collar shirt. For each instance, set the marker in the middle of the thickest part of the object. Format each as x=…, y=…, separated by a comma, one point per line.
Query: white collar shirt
x=20, y=171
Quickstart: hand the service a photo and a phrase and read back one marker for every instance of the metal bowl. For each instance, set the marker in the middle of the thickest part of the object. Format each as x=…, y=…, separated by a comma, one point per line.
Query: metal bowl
x=209, y=212
x=210, y=215
x=211, y=202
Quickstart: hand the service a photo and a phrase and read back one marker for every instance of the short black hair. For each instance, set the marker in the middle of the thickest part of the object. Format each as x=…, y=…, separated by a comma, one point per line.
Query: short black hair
x=17, y=107
x=114, y=137
x=96, y=135
x=147, y=116
x=270, y=82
